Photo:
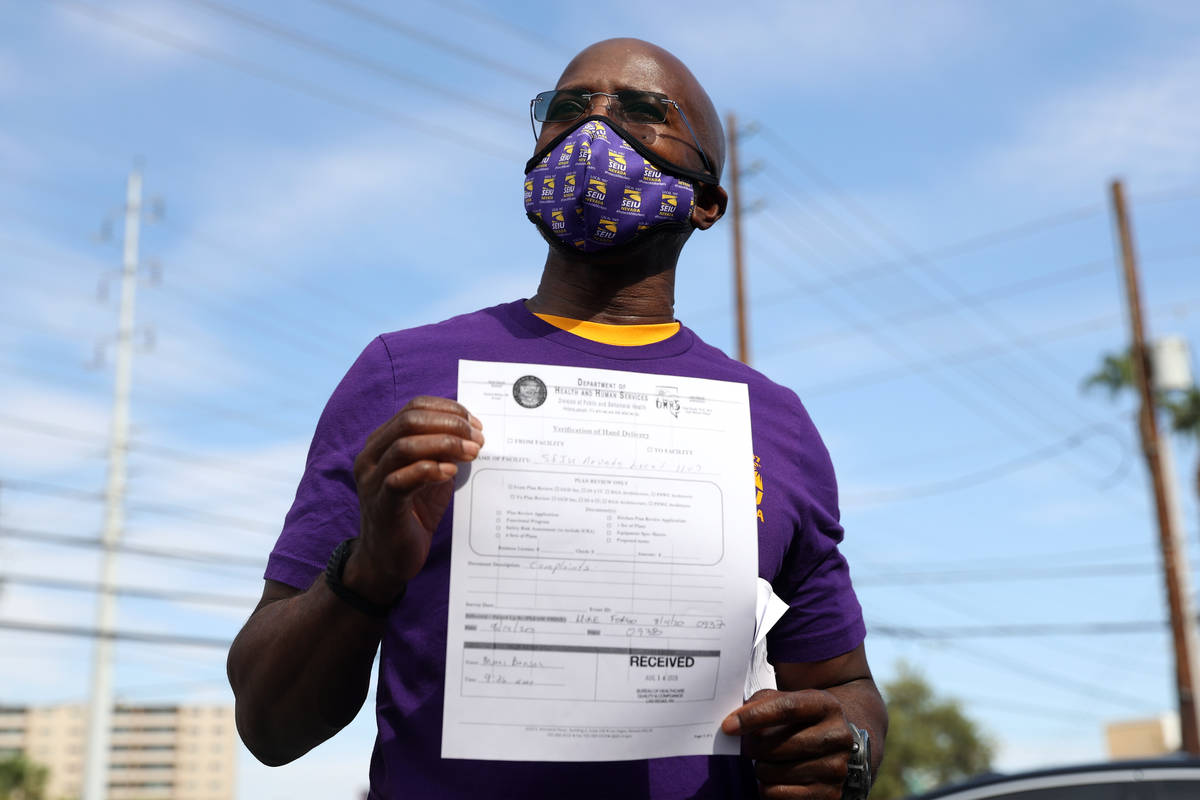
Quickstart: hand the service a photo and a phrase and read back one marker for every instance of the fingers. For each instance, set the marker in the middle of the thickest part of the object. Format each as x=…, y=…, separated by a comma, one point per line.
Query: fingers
x=443, y=447
x=791, y=743
x=769, y=708
x=812, y=791
x=831, y=770
x=414, y=476
x=387, y=448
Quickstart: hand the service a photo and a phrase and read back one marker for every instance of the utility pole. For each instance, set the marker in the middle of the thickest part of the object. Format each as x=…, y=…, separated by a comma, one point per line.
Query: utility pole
x=95, y=777
x=735, y=206
x=1183, y=628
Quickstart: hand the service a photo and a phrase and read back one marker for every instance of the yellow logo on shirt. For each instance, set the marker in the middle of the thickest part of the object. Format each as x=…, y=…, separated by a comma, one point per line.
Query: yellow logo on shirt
x=758, y=488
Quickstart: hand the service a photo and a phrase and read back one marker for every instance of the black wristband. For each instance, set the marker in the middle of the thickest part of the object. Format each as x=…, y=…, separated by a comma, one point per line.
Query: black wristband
x=333, y=579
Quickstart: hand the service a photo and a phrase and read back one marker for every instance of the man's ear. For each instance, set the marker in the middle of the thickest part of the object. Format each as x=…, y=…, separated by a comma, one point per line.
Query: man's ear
x=710, y=206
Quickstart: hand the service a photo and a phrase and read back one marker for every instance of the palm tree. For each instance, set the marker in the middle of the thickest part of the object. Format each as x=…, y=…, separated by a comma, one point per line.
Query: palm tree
x=1115, y=375
x=1182, y=406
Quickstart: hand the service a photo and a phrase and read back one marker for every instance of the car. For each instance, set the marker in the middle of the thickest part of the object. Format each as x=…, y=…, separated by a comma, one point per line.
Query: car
x=1168, y=778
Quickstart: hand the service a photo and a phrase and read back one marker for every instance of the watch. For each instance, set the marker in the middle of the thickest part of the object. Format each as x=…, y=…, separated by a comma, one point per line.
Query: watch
x=858, y=781
x=333, y=579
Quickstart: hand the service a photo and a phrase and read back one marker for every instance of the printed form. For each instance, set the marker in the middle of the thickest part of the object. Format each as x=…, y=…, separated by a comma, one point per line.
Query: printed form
x=603, y=566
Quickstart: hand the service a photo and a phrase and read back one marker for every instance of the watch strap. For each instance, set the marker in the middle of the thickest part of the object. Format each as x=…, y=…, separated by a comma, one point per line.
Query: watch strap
x=333, y=579
x=858, y=778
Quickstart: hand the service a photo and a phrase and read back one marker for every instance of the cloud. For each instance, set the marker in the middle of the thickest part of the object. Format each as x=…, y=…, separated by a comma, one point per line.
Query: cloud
x=29, y=453
x=130, y=49
x=828, y=44
x=1143, y=123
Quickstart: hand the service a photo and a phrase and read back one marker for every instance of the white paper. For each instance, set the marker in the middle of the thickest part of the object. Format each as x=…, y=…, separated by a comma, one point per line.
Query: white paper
x=770, y=608
x=603, y=565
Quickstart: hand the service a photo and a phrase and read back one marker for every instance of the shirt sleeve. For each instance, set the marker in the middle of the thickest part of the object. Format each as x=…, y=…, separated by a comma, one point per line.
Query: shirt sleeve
x=325, y=510
x=824, y=618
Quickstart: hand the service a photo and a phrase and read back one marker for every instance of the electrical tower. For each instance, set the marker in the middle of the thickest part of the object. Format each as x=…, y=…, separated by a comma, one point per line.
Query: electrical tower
x=95, y=776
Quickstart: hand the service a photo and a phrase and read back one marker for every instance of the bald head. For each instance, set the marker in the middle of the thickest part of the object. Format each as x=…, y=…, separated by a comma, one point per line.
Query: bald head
x=616, y=64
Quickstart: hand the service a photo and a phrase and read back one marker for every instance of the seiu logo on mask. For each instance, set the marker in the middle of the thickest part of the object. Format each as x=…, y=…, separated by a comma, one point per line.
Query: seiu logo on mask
x=606, y=230
x=631, y=203
x=617, y=164
x=596, y=192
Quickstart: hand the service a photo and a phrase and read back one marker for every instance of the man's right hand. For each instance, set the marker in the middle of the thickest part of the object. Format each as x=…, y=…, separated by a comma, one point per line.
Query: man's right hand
x=404, y=484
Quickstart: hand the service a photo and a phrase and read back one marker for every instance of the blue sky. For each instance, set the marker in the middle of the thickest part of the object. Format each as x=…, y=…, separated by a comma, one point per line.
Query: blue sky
x=931, y=269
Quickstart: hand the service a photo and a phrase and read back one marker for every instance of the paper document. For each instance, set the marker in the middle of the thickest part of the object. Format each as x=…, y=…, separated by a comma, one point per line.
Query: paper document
x=603, y=566
x=770, y=608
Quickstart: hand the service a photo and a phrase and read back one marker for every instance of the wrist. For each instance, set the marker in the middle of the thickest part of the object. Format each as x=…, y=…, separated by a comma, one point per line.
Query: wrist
x=351, y=576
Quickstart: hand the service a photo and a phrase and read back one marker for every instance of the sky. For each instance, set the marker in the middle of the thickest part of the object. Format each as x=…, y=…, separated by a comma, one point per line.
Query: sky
x=931, y=267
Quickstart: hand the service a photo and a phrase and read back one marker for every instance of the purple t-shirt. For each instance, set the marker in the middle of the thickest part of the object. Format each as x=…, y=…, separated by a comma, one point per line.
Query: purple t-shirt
x=798, y=533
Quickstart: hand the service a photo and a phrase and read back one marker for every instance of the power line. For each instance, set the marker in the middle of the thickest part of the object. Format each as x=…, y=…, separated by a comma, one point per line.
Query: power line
x=943, y=597
x=995, y=390
x=162, y=553
x=979, y=241
x=1017, y=559
x=298, y=336
x=546, y=43
x=176, y=401
x=122, y=636
x=416, y=34
x=1017, y=630
x=169, y=453
x=174, y=596
x=174, y=41
x=163, y=509
x=292, y=335
x=971, y=479
x=1050, y=279
x=346, y=303
x=1027, y=709
x=1037, y=674
x=944, y=281
x=351, y=59
x=1006, y=574
x=883, y=630
x=961, y=356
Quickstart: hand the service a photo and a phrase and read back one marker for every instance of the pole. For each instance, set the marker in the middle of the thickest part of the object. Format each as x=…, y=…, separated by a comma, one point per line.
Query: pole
x=95, y=777
x=739, y=275
x=1182, y=624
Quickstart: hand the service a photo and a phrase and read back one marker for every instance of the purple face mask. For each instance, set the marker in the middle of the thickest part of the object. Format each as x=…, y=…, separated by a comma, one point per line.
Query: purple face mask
x=593, y=191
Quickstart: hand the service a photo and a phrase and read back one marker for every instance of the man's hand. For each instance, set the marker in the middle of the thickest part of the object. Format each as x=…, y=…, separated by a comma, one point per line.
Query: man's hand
x=800, y=740
x=403, y=477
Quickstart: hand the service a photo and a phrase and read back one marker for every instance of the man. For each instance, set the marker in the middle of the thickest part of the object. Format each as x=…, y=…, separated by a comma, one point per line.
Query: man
x=377, y=484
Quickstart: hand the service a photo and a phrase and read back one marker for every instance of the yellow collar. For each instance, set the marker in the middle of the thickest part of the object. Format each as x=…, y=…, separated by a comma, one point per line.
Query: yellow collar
x=622, y=335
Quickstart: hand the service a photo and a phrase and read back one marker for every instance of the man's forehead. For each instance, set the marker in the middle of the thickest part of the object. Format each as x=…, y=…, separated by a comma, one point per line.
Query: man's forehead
x=610, y=66
x=616, y=64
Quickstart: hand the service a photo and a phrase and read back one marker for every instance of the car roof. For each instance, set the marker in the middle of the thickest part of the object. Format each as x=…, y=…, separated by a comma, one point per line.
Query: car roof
x=1171, y=768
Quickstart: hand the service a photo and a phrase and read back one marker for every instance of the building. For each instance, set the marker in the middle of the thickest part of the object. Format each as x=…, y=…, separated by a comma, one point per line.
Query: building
x=1142, y=738
x=157, y=752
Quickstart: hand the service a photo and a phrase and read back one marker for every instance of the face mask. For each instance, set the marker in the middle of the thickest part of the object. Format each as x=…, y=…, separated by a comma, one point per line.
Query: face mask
x=591, y=190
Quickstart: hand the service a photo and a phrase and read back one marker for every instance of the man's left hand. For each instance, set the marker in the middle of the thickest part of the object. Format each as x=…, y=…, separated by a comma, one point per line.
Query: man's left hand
x=800, y=741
